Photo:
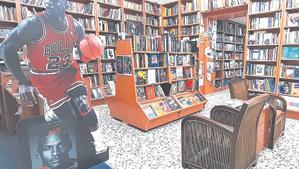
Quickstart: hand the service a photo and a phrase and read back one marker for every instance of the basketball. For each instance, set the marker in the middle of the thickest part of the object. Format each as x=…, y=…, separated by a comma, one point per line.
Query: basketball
x=91, y=47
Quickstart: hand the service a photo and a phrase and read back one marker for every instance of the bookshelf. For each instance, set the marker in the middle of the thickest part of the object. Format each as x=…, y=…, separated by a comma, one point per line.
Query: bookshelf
x=272, y=63
x=149, y=101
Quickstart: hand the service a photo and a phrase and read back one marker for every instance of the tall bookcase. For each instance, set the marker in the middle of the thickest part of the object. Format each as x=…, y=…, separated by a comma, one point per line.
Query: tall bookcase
x=149, y=98
x=229, y=53
x=272, y=63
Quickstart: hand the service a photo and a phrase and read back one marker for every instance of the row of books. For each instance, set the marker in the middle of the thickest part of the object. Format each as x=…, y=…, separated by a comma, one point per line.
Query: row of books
x=153, y=20
x=189, y=6
x=94, y=81
x=109, y=26
x=149, y=60
x=262, y=54
x=91, y=67
x=160, y=108
x=266, y=22
x=173, y=44
x=124, y=65
x=264, y=6
x=96, y=93
x=26, y=12
x=182, y=86
x=113, y=2
x=292, y=19
x=171, y=11
x=264, y=85
x=239, y=48
x=292, y=3
x=152, y=8
x=189, y=100
x=263, y=38
x=5, y=31
x=180, y=60
x=80, y=8
x=132, y=5
x=289, y=88
x=178, y=73
x=260, y=70
x=190, y=19
x=229, y=65
x=108, y=67
x=172, y=31
x=108, y=39
x=87, y=23
x=41, y=3
x=240, y=39
x=230, y=47
x=239, y=56
x=133, y=28
x=214, y=4
x=170, y=21
x=108, y=78
x=291, y=36
x=289, y=71
x=7, y=13
x=147, y=43
x=228, y=74
x=192, y=30
x=131, y=17
x=149, y=92
x=110, y=13
x=150, y=76
x=150, y=31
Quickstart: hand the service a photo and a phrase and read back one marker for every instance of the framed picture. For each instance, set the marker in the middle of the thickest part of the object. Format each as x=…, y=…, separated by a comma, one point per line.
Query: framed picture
x=45, y=145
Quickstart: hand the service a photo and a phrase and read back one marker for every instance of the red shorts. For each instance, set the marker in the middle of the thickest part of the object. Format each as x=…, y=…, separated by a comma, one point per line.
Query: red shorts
x=59, y=88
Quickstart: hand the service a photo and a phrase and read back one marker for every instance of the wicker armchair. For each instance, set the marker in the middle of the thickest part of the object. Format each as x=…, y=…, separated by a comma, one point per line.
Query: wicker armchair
x=209, y=144
x=278, y=106
x=239, y=90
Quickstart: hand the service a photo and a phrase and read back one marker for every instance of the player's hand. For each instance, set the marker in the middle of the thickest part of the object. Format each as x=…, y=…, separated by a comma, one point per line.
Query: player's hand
x=27, y=94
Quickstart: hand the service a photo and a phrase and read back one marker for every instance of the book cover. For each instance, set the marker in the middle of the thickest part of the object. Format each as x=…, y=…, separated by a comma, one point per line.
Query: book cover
x=150, y=92
x=119, y=62
x=181, y=86
x=149, y=112
x=153, y=60
x=295, y=89
x=189, y=85
x=127, y=66
x=141, y=96
x=151, y=76
x=174, y=88
x=291, y=53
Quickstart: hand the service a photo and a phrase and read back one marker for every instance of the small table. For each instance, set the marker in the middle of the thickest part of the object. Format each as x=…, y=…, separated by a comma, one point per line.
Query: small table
x=264, y=123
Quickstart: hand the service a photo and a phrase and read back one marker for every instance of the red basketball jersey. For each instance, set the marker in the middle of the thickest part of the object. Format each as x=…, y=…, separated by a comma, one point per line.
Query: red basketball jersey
x=54, y=51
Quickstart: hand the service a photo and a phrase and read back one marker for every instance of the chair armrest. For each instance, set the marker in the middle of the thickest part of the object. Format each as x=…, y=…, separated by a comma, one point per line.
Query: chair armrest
x=205, y=140
x=282, y=106
x=225, y=114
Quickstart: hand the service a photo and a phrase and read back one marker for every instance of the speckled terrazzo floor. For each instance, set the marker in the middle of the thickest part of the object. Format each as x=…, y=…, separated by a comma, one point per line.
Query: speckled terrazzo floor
x=160, y=148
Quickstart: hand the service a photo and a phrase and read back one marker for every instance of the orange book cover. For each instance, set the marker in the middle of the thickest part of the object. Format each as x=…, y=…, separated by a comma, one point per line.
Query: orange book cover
x=150, y=92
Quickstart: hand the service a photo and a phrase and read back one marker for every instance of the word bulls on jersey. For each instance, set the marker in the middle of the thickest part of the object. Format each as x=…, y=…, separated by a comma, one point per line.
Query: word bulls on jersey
x=59, y=55
x=54, y=72
x=53, y=51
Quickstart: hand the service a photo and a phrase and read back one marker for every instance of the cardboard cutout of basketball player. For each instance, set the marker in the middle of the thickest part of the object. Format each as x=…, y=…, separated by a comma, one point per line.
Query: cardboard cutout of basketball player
x=50, y=37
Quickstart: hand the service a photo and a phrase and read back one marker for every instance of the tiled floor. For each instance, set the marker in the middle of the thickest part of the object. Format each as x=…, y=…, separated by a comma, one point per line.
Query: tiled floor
x=161, y=148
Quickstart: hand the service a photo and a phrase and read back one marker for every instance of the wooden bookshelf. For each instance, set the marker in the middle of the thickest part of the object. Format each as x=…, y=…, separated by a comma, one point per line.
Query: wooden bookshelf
x=133, y=106
x=286, y=64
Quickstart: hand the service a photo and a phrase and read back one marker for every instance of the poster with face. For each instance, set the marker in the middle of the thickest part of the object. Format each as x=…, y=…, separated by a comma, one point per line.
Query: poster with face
x=48, y=145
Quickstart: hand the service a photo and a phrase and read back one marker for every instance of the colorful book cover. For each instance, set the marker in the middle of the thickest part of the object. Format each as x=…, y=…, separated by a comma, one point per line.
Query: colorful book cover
x=150, y=92
x=149, y=112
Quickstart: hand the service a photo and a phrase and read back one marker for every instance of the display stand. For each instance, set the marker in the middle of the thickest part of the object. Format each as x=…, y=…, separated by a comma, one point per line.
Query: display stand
x=128, y=108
